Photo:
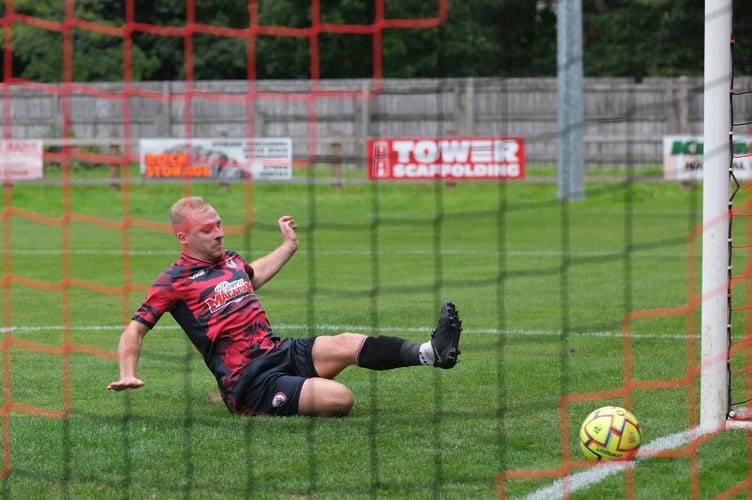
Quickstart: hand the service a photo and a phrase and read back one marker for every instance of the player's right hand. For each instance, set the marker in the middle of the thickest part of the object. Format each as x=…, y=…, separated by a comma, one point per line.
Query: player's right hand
x=125, y=383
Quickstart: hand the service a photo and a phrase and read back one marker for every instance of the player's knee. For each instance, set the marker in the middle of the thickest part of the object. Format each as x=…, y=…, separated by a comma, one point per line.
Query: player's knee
x=325, y=398
x=343, y=402
x=349, y=342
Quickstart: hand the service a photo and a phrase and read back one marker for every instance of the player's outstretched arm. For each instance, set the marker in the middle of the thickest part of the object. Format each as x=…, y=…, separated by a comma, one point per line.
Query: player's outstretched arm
x=129, y=349
x=266, y=267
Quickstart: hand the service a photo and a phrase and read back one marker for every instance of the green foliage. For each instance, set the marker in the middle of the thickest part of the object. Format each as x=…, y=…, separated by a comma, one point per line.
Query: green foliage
x=39, y=53
x=641, y=39
x=513, y=38
x=215, y=55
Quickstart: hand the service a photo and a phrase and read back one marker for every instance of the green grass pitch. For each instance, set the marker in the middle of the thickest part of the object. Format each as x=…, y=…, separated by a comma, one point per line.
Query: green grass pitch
x=542, y=287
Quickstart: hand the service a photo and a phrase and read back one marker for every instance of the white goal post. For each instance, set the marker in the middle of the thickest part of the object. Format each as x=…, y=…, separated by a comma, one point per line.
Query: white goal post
x=714, y=377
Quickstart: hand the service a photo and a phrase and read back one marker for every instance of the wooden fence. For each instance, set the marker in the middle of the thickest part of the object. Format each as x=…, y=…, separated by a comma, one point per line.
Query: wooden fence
x=625, y=120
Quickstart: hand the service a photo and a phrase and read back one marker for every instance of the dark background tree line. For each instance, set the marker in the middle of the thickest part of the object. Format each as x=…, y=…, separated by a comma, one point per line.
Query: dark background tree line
x=484, y=38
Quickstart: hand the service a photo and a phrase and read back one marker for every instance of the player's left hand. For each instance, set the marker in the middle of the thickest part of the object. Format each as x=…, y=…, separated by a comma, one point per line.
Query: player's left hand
x=288, y=226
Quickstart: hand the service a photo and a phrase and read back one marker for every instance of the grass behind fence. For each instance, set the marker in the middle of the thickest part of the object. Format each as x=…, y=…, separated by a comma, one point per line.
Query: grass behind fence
x=542, y=288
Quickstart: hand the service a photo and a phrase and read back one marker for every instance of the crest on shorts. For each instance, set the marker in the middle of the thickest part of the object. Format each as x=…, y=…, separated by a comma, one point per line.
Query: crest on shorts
x=279, y=400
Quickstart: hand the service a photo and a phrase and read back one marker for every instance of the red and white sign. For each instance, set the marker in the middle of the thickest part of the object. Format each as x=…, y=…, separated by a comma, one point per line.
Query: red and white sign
x=21, y=160
x=473, y=158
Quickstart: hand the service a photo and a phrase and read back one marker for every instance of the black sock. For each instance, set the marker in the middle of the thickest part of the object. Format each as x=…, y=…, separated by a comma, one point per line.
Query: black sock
x=385, y=353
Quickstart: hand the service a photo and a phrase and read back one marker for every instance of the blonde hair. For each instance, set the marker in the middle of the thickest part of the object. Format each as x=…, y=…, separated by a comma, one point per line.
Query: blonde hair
x=178, y=212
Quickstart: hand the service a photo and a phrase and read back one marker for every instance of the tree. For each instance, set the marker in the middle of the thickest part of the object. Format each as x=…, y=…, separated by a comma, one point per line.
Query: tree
x=215, y=56
x=472, y=42
x=39, y=50
x=639, y=38
x=479, y=38
x=627, y=38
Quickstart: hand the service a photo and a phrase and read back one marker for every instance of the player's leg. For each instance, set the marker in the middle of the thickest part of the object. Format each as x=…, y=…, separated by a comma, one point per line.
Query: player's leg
x=332, y=354
x=320, y=397
x=441, y=351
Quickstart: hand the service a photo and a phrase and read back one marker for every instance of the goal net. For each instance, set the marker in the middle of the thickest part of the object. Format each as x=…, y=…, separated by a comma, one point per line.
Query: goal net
x=407, y=192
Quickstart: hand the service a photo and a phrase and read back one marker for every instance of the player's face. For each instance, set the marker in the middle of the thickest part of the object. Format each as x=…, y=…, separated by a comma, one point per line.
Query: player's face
x=204, y=236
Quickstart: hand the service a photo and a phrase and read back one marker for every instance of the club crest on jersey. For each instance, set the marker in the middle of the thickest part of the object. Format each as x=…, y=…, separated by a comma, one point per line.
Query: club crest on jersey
x=231, y=263
x=279, y=400
x=227, y=292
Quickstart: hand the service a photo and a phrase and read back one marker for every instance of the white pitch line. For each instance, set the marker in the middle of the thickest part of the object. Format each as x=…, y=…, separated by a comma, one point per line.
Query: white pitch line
x=590, y=476
x=554, y=254
x=280, y=328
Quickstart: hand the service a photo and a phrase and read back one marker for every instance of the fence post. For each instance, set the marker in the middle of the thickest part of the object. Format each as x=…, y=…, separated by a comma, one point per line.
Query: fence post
x=682, y=100
x=365, y=118
x=115, y=163
x=335, y=153
x=468, y=127
x=223, y=185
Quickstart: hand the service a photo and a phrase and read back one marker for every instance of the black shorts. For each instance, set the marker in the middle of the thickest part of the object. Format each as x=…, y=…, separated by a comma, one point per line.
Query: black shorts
x=272, y=383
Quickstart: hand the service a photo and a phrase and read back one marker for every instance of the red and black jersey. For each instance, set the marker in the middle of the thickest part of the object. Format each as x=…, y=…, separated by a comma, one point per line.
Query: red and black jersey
x=216, y=306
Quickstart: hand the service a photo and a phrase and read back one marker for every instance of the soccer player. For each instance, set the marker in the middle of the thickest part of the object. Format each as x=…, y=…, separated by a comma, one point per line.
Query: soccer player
x=211, y=293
